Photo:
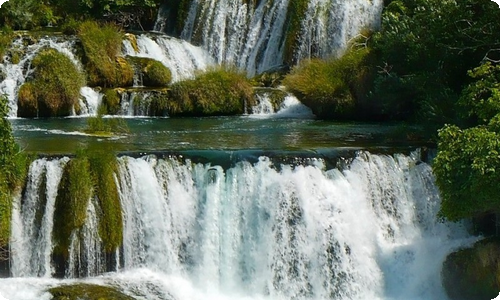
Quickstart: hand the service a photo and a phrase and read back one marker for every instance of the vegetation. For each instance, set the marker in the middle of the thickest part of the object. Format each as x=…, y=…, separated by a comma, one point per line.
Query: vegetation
x=74, y=193
x=214, y=92
x=153, y=72
x=87, y=292
x=103, y=166
x=100, y=126
x=111, y=101
x=5, y=41
x=328, y=86
x=13, y=168
x=467, y=166
x=55, y=87
x=296, y=12
x=102, y=45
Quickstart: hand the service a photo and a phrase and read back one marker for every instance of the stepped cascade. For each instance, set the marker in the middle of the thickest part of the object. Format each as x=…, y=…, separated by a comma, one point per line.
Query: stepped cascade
x=261, y=230
x=254, y=38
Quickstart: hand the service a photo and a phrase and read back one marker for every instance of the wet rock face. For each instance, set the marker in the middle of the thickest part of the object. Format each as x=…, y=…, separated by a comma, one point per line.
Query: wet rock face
x=473, y=273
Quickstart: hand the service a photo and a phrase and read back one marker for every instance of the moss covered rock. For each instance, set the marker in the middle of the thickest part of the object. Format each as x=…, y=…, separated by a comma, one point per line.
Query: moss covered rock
x=101, y=50
x=55, y=85
x=473, y=273
x=73, y=196
x=331, y=88
x=215, y=92
x=87, y=292
x=111, y=100
x=152, y=72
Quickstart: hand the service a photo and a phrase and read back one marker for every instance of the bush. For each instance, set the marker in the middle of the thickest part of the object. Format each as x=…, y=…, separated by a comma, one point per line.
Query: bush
x=102, y=45
x=329, y=87
x=154, y=73
x=215, y=92
x=56, y=85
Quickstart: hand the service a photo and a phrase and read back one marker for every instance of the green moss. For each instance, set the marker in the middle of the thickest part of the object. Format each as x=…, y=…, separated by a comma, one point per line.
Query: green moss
x=111, y=100
x=473, y=273
x=330, y=88
x=74, y=193
x=13, y=169
x=215, y=92
x=27, y=100
x=104, y=166
x=87, y=292
x=154, y=73
x=296, y=12
x=56, y=85
x=101, y=45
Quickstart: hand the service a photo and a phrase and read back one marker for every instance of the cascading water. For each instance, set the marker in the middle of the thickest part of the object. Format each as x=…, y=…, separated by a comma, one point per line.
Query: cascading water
x=32, y=220
x=182, y=58
x=16, y=72
x=328, y=26
x=234, y=32
x=253, y=38
x=255, y=231
x=291, y=107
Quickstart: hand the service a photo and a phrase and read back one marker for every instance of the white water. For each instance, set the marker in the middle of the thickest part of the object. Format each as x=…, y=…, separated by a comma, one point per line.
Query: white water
x=291, y=107
x=182, y=58
x=329, y=25
x=237, y=34
x=259, y=231
x=253, y=39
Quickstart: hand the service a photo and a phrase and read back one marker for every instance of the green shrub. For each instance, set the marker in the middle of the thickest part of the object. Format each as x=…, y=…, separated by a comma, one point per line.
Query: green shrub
x=215, y=92
x=329, y=87
x=27, y=100
x=102, y=45
x=154, y=73
x=74, y=193
x=56, y=85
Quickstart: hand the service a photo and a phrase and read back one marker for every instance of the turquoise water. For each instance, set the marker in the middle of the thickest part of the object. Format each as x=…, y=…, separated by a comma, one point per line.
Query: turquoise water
x=66, y=135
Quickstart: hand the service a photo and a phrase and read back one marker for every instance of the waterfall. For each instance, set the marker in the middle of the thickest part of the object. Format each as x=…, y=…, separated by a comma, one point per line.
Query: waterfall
x=291, y=107
x=262, y=230
x=234, y=32
x=329, y=26
x=253, y=38
x=182, y=58
x=32, y=220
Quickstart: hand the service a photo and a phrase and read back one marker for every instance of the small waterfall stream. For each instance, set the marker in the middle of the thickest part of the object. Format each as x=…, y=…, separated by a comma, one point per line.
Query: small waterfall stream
x=252, y=231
